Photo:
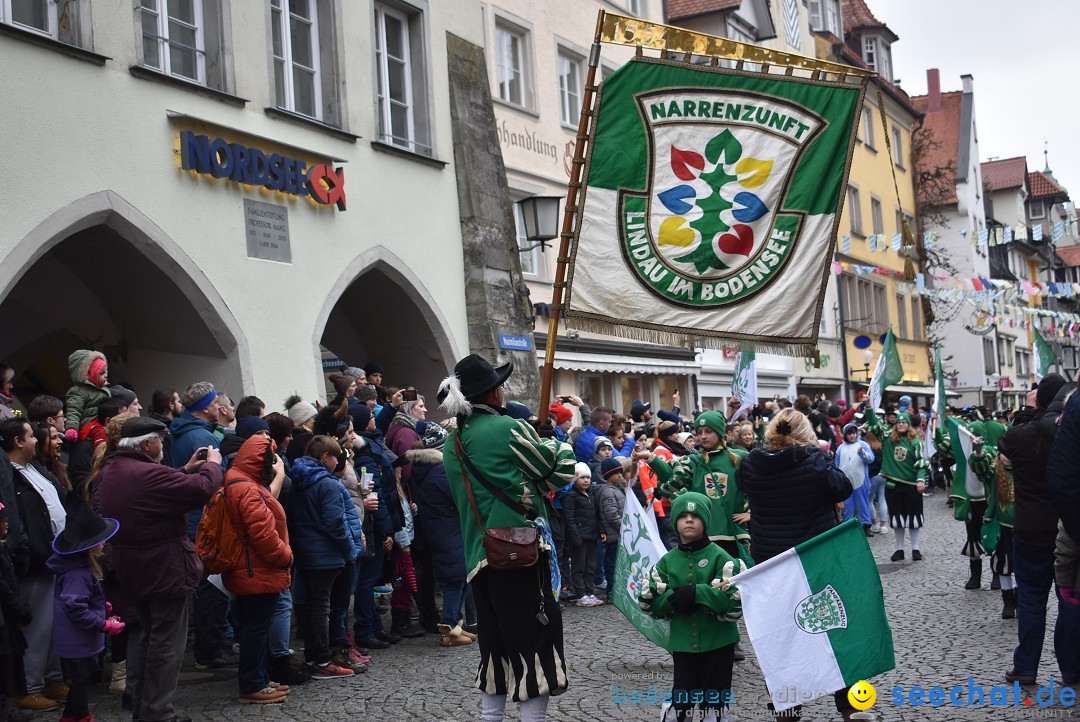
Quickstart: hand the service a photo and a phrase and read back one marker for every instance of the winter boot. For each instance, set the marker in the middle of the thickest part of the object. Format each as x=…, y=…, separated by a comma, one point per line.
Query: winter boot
x=283, y=671
x=119, y=678
x=976, y=574
x=1008, y=606
x=995, y=582
x=452, y=636
x=402, y=625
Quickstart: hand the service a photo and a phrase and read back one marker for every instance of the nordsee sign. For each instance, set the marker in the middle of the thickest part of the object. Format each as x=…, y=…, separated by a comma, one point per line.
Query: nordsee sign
x=219, y=158
x=515, y=343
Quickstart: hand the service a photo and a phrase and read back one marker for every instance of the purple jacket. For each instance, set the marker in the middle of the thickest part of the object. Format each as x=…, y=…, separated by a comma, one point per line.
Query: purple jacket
x=79, y=609
x=151, y=553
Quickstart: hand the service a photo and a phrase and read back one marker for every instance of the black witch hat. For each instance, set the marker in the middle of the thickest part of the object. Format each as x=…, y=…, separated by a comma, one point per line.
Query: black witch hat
x=83, y=529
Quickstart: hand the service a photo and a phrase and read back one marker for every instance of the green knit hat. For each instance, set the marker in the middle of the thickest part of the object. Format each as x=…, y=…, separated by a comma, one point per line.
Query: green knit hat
x=903, y=417
x=712, y=419
x=691, y=502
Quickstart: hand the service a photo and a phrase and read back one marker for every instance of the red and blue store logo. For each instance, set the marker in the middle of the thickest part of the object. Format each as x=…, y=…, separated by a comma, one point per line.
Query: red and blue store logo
x=220, y=158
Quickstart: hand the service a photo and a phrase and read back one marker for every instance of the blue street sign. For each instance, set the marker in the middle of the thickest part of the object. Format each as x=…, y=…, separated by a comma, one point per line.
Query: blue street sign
x=515, y=343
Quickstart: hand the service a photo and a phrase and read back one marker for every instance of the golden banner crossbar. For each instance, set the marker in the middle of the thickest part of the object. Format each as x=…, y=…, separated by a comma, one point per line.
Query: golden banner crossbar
x=623, y=30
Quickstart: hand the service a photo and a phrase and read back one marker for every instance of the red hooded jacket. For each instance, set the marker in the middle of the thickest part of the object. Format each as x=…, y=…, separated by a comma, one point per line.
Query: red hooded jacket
x=265, y=567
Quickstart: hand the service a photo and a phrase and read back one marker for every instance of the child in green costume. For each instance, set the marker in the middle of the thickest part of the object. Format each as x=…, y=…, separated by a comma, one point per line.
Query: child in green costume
x=691, y=586
x=711, y=471
x=904, y=469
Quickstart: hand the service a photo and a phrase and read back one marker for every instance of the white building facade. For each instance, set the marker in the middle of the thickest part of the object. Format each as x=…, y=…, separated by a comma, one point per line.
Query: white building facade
x=233, y=191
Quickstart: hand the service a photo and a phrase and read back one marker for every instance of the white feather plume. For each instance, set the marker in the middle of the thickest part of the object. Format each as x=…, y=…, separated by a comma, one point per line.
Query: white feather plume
x=451, y=400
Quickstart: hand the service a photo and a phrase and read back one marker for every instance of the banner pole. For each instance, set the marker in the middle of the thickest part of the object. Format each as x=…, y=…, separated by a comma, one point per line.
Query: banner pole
x=568, y=219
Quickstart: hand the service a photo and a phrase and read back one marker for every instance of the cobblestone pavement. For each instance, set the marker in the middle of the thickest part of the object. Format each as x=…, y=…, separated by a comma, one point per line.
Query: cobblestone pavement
x=943, y=635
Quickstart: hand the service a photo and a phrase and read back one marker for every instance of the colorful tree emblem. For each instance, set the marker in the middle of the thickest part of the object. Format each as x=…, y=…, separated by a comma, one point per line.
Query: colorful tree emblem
x=716, y=200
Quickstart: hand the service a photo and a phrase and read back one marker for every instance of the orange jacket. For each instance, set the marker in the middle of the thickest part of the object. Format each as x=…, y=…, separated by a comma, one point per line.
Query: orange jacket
x=260, y=520
x=647, y=477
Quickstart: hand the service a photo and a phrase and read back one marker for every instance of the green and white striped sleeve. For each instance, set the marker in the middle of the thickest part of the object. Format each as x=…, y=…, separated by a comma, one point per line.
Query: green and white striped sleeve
x=548, y=462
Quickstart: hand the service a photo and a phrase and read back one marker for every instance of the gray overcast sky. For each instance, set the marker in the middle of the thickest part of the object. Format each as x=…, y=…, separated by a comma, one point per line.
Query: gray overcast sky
x=1022, y=57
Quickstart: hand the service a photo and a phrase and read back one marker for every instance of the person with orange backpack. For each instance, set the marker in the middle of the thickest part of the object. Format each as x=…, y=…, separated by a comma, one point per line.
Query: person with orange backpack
x=152, y=556
x=263, y=570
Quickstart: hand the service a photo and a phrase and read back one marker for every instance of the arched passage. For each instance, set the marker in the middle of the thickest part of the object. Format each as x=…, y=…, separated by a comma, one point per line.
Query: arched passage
x=99, y=274
x=378, y=310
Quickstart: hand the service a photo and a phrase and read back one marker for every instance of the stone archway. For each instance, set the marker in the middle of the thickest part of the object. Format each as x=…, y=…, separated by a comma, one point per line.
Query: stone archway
x=378, y=310
x=100, y=274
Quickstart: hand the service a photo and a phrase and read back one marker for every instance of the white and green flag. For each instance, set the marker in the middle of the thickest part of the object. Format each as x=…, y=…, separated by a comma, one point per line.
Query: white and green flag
x=929, y=448
x=816, y=616
x=711, y=201
x=639, y=549
x=744, y=382
x=887, y=372
x=1044, y=354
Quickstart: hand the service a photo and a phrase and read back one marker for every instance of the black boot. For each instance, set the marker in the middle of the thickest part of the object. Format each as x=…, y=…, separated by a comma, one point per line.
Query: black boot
x=1008, y=606
x=282, y=671
x=401, y=625
x=976, y=574
x=995, y=582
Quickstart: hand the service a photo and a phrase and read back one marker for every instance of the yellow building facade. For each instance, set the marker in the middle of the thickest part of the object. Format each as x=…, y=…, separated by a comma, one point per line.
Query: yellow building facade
x=869, y=302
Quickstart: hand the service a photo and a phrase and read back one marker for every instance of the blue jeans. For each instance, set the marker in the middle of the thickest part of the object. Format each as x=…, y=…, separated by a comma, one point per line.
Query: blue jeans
x=601, y=551
x=368, y=622
x=858, y=504
x=343, y=588
x=281, y=626
x=877, y=494
x=453, y=597
x=1034, y=569
x=610, y=555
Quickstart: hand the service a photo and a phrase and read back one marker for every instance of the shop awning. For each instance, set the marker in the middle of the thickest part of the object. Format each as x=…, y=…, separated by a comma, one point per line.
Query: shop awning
x=912, y=390
x=621, y=364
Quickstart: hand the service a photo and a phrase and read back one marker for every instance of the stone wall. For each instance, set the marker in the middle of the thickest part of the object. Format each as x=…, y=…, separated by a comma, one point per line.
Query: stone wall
x=493, y=280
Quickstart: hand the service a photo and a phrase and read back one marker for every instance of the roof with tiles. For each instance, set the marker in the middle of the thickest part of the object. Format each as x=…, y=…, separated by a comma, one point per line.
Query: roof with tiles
x=857, y=16
x=1005, y=173
x=1069, y=254
x=680, y=9
x=944, y=127
x=1043, y=185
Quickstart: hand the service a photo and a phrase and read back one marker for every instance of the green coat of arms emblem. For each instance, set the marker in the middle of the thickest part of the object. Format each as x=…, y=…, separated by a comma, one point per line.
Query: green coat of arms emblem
x=821, y=612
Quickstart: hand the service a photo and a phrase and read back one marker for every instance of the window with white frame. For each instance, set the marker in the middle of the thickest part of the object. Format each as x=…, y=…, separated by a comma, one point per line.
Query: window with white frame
x=989, y=357
x=1036, y=209
x=876, y=217
x=511, y=69
x=868, y=126
x=901, y=315
x=825, y=16
x=295, y=31
x=401, y=78
x=864, y=302
x=854, y=210
x=877, y=56
x=38, y=16
x=571, y=81
x=530, y=259
x=898, y=147
x=634, y=7
x=172, y=38
x=916, y=319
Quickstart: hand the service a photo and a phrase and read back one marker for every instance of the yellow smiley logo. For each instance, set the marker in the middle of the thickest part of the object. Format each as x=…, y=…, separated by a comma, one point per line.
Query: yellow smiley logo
x=862, y=695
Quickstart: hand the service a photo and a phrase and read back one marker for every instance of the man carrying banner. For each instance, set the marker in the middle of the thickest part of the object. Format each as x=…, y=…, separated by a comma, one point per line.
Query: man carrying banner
x=904, y=469
x=712, y=472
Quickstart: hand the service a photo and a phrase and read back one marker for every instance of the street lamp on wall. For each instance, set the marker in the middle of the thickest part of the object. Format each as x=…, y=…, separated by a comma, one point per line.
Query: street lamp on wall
x=867, y=357
x=540, y=214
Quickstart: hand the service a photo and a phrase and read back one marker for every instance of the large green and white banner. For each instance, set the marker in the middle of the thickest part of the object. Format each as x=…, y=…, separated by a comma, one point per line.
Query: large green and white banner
x=711, y=201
